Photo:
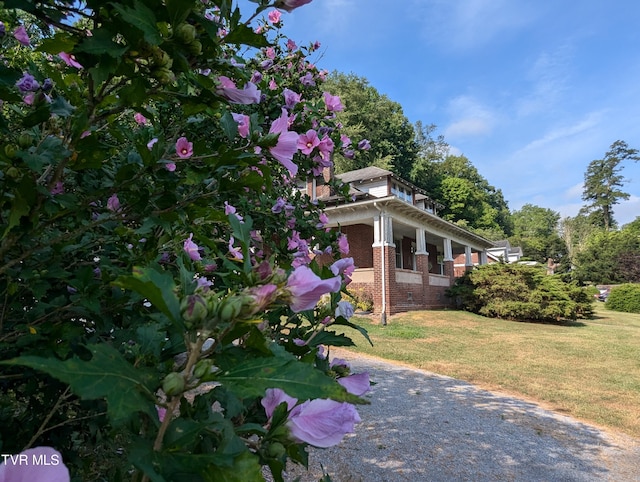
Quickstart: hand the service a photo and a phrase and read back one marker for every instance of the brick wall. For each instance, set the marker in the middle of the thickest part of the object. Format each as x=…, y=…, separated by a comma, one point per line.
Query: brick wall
x=360, y=238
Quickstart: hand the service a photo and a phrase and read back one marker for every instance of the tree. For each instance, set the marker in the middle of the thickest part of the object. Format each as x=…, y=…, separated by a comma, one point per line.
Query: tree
x=608, y=257
x=535, y=230
x=468, y=198
x=603, y=183
x=371, y=115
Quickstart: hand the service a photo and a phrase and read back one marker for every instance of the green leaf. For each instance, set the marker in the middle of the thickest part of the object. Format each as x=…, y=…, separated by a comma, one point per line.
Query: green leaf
x=179, y=10
x=143, y=19
x=251, y=378
x=229, y=126
x=61, y=107
x=156, y=286
x=60, y=42
x=342, y=321
x=242, y=34
x=101, y=42
x=107, y=375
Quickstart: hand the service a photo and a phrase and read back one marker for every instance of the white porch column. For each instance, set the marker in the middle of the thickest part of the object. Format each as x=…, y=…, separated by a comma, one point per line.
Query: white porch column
x=483, y=258
x=468, y=258
x=421, y=242
x=377, y=231
x=382, y=230
x=448, y=251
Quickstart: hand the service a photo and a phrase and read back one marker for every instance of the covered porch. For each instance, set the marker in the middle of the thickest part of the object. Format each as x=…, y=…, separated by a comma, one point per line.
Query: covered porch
x=404, y=255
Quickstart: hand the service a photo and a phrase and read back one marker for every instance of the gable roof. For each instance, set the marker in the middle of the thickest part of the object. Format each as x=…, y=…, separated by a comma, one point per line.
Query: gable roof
x=364, y=174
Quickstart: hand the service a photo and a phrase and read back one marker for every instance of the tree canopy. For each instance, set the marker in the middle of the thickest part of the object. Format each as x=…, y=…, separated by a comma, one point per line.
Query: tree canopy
x=603, y=183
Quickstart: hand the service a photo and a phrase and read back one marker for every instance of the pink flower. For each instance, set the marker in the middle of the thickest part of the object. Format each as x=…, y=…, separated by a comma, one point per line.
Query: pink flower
x=287, y=144
x=364, y=144
x=343, y=265
x=162, y=412
x=326, y=147
x=170, y=166
x=229, y=209
x=290, y=5
x=272, y=85
x=270, y=52
x=357, y=384
x=139, y=118
x=58, y=188
x=346, y=141
x=291, y=98
x=191, y=248
x=307, y=288
x=151, y=143
x=273, y=398
x=29, y=98
x=249, y=95
x=21, y=36
x=244, y=123
x=307, y=142
x=70, y=60
x=20, y=467
x=235, y=252
x=291, y=45
x=113, y=203
x=184, y=148
x=307, y=79
x=274, y=16
x=332, y=102
x=322, y=423
x=343, y=244
x=263, y=296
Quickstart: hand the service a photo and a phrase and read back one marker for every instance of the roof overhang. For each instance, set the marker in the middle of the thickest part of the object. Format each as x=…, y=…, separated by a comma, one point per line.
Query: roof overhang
x=404, y=211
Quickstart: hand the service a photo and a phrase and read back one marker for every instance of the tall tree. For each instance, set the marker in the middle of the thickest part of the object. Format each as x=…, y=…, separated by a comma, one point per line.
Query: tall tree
x=535, y=229
x=603, y=183
x=373, y=116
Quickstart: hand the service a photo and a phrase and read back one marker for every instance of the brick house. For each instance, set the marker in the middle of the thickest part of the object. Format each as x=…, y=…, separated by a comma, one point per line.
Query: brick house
x=403, y=251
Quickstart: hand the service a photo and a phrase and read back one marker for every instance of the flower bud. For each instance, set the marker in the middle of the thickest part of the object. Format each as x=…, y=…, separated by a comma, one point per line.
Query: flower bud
x=173, y=384
x=276, y=450
x=25, y=140
x=202, y=368
x=186, y=33
x=230, y=308
x=194, y=310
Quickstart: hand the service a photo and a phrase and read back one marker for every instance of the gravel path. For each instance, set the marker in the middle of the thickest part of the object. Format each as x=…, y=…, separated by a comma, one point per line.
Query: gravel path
x=426, y=427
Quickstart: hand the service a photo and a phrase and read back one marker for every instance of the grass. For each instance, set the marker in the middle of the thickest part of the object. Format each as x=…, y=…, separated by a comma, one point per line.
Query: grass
x=590, y=370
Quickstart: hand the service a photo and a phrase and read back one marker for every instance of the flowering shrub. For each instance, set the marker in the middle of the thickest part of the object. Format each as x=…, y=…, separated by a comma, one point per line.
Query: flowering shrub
x=159, y=267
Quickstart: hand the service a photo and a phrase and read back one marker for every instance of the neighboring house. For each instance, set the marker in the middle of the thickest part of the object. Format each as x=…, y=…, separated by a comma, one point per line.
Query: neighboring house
x=502, y=252
x=404, y=252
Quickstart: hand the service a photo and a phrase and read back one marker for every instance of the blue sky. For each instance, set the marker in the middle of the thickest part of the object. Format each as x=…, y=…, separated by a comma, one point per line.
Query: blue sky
x=530, y=91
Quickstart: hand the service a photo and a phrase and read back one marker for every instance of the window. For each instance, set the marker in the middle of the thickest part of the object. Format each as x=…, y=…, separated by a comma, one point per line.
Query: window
x=401, y=192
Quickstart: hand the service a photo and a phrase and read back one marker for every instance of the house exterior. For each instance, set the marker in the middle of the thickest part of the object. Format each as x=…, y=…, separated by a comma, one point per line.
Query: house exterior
x=403, y=251
x=502, y=252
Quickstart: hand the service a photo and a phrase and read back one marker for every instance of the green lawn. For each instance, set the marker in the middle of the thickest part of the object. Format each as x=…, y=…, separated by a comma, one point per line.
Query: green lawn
x=590, y=370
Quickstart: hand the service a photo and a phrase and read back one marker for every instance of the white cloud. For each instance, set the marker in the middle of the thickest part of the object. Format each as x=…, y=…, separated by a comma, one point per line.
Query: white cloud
x=471, y=24
x=470, y=119
x=562, y=133
x=549, y=79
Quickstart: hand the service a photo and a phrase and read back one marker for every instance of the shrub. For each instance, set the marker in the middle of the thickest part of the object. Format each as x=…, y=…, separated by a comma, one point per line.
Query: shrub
x=153, y=243
x=519, y=292
x=625, y=298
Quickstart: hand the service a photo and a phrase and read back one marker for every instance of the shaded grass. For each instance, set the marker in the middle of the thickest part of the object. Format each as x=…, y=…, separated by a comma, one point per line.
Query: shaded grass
x=590, y=371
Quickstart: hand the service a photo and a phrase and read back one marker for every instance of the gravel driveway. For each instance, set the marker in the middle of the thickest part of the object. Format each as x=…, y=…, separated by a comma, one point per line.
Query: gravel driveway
x=426, y=427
